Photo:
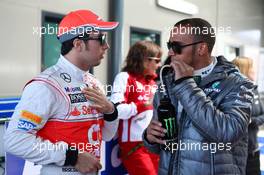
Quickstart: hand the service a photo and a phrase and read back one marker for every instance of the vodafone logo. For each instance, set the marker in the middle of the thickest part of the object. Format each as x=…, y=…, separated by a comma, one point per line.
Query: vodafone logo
x=93, y=133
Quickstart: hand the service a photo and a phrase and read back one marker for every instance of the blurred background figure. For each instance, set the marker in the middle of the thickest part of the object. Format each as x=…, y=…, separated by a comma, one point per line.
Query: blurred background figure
x=133, y=93
x=245, y=66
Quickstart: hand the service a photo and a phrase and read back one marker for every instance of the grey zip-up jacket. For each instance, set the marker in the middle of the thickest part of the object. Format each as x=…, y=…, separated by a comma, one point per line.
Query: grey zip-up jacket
x=213, y=126
x=257, y=119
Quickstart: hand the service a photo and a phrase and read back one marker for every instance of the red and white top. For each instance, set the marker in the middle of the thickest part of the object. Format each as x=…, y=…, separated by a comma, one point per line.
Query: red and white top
x=135, y=93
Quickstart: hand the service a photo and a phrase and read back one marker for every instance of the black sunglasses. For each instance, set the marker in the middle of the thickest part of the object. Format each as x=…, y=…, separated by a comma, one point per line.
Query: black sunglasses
x=101, y=38
x=177, y=46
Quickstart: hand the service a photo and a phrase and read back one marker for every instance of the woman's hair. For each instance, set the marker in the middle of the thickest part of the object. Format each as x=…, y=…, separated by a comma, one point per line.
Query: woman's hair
x=244, y=64
x=137, y=53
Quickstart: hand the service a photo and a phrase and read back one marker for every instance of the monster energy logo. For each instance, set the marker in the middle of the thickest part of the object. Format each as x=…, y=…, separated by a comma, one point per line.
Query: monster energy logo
x=170, y=126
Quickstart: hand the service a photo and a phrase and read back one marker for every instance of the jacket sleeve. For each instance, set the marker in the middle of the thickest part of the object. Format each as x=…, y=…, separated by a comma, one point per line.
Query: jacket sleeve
x=226, y=123
x=36, y=106
x=109, y=129
x=155, y=148
x=258, y=120
x=125, y=110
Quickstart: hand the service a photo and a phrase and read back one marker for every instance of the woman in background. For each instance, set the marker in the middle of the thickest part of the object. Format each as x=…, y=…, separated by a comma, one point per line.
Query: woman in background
x=133, y=93
x=245, y=66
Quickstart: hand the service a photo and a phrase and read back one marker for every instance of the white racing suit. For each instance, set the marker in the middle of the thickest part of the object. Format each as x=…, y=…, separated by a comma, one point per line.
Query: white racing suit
x=52, y=114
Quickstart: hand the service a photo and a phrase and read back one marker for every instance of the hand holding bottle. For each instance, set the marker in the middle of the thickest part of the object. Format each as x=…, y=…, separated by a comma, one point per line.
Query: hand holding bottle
x=155, y=132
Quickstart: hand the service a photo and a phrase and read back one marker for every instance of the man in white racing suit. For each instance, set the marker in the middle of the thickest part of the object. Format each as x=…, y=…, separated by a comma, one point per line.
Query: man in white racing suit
x=63, y=115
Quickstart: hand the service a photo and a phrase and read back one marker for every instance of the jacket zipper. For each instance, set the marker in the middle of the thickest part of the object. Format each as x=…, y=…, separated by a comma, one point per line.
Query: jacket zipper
x=212, y=163
x=177, y=152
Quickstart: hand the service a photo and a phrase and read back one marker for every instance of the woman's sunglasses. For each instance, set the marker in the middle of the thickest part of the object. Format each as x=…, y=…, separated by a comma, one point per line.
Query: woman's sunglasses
x=177, y=46
x=101, y=38
x=157, y=60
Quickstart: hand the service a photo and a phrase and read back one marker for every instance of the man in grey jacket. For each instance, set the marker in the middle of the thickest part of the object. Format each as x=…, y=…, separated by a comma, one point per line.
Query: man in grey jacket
x=212, y=114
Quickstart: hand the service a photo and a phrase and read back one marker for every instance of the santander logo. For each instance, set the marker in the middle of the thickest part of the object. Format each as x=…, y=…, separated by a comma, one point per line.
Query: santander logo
x=75, y=112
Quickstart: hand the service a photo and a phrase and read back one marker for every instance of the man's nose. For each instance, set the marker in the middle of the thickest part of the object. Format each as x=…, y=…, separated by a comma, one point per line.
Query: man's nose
x=170, y=52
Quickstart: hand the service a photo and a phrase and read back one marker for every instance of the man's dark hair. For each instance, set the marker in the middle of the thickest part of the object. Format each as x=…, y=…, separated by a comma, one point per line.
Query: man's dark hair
x=200, y=29
x=137, y=53
x=67, y=46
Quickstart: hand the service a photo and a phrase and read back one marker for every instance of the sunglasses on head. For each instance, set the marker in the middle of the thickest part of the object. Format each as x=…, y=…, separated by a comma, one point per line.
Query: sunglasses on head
x=177, y=46
x=157, y=60
x=101, y=38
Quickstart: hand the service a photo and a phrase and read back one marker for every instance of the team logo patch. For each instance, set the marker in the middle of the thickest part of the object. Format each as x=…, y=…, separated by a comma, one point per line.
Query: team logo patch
x=25, y=125
x=66, y=77
x=77, y=98
x=84, y=110
x=75, y=112
x=31, y=117
x=216, y=84
x=72, y=89
x=197, y=79
x=69, y=169
x=214, y=88
x=206, y=72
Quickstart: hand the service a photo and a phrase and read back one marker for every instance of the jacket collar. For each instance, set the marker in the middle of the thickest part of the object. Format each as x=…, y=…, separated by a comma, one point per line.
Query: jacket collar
x=203, y=72
x=222, y=69
x=219, y=72
x=75, y=72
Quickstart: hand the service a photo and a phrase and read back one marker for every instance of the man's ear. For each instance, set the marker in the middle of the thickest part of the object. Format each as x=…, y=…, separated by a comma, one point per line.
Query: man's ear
x=203, y=49
x=77, y=44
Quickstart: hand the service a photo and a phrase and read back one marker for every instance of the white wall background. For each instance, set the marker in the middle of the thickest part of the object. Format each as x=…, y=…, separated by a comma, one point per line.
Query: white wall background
x=245, y=19
x=20, y=50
